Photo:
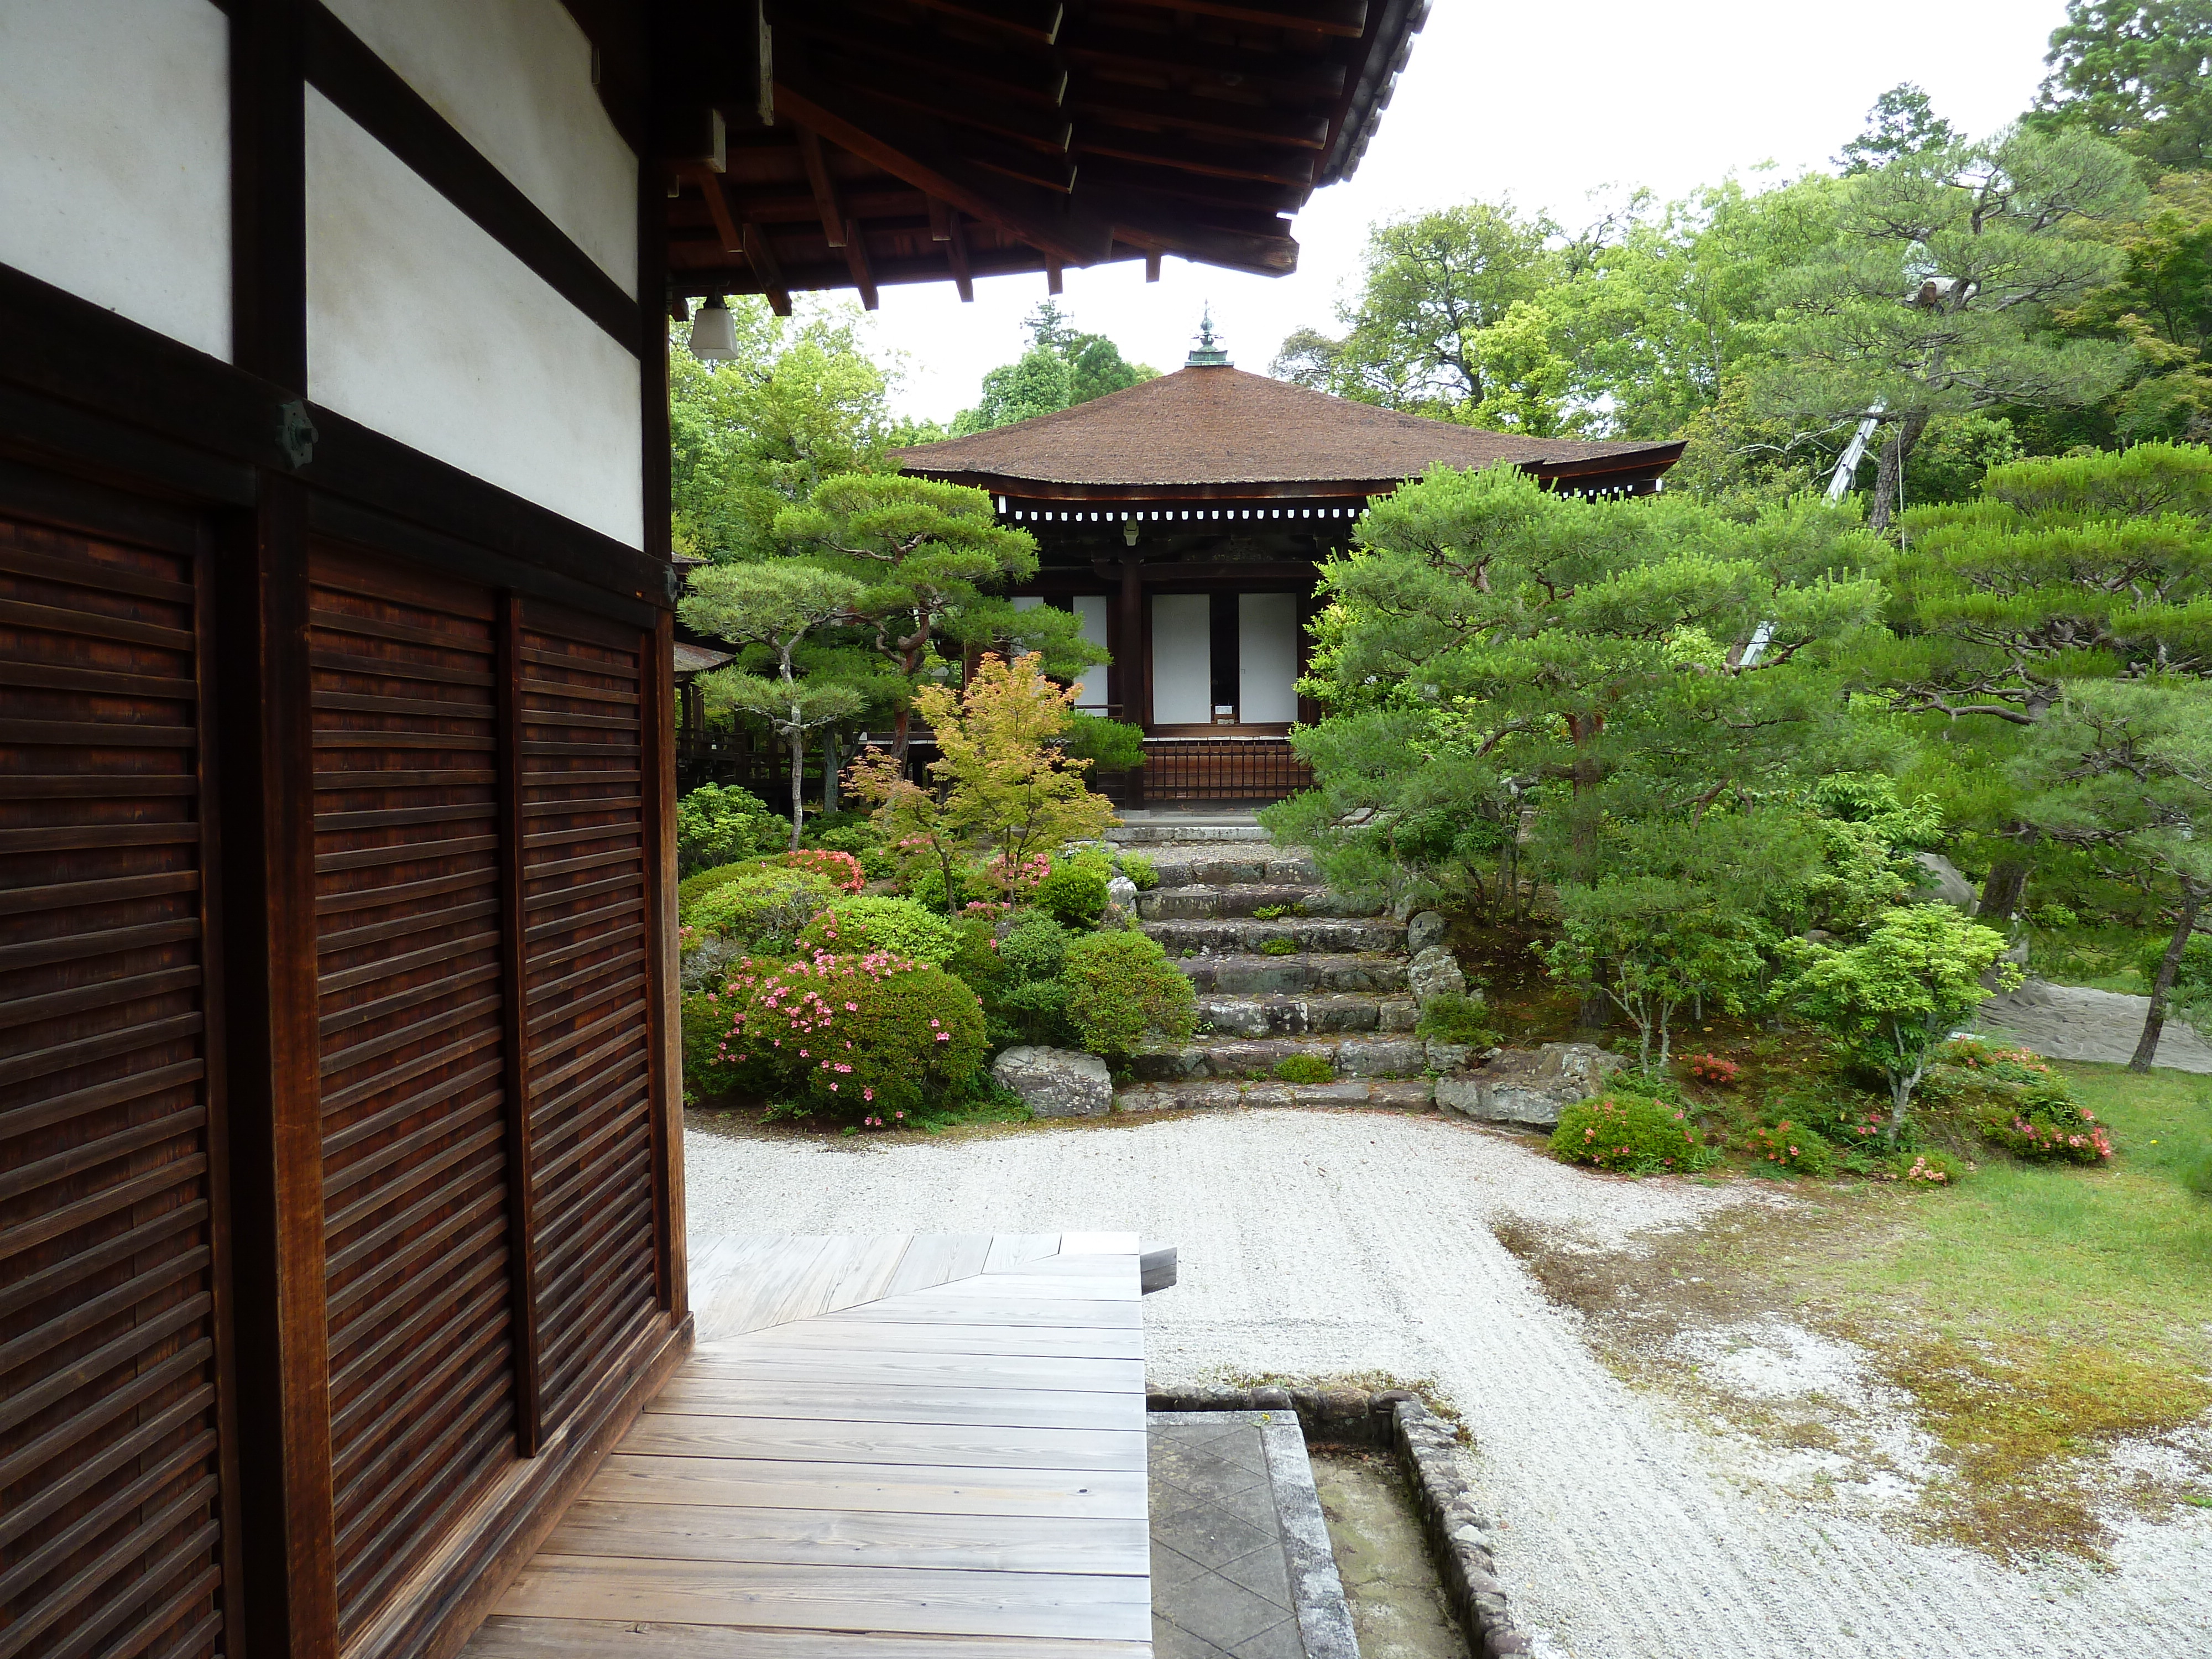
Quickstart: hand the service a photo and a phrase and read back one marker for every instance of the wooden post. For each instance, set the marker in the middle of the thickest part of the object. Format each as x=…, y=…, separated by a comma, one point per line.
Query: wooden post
x=289, y=1603
x=656, y=690
x=1136, y=671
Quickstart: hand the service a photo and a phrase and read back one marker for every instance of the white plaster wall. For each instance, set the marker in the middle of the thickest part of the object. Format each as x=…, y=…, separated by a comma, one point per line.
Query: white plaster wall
x=115, y=157
x=514, y=77
x=1267, y=657
x=1090, y=689
x=1183, y=659
x=421, y=326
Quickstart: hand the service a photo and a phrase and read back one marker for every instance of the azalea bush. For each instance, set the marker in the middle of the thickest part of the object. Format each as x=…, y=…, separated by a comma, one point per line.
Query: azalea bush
x=1791, y=1148
x=842, y=869
x=1121, y=988
x=1714, y=1070
x=1630, y=1134
x=847, y=1034
x=1074, y=892
x=762, y=909
x=859, y=924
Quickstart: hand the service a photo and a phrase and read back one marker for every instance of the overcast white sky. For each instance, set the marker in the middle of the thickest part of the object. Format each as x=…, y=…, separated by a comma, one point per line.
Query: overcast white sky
x=1546, y=104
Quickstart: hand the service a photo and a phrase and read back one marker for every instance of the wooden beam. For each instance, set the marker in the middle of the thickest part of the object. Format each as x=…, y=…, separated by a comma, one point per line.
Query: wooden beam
x=856, y=260
x=1052, y=275
x=823, y=186
x=1348, y=18
x=1275, y=166
x=1240, y=122
x=1178, y=54
x=771, y=272
x=1152, y=265
x=940, y=221
x=1036, y=21
x=718, y=208
x=956, y=255
x=1061, y=227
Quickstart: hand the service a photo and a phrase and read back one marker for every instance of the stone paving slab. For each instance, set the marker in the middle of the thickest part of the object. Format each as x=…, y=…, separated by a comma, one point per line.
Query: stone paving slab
x=1241, y=1565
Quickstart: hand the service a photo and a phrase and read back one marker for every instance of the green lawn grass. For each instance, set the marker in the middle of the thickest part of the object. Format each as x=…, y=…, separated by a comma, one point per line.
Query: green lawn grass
x=2040, y=1313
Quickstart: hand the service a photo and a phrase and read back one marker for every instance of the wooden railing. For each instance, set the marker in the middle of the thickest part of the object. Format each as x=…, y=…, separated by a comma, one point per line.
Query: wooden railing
x=1222, y=769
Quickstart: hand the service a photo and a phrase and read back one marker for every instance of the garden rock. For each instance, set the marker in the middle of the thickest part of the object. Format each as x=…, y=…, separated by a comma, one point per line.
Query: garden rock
x=1435, y=972
x=1057, y=1082
x=1943, y=875
x=1424, y=930
x=1120, y=898
x=1528, y=1086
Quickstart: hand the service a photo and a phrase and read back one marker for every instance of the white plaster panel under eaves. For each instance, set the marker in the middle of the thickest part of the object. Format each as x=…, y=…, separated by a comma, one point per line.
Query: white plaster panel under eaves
x=514, y=78
x=421, y=325
x=115, y=158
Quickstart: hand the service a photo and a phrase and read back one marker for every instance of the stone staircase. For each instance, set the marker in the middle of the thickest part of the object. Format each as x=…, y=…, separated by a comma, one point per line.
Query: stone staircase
x=1340, y=995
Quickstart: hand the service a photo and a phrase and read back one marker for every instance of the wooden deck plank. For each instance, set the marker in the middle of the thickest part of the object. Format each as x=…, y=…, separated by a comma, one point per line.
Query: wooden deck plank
x=867, y=1276
x=800, y=1440
x=1036, y=1409
x=928, y=1307
x=505, y=1638
x=1011, y=1250
x=915, y=1489
x=884, y=1447
x=886, y=1336
x=691, y=1532
x=900, y=1369
x=917, y=1599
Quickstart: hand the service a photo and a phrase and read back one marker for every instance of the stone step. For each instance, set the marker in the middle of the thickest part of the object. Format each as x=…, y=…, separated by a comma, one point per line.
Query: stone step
x=1200, y=1094
x=1197, y=903
x=1256, y=1058
x=1328, y=1013
x=1230, y=973
x=1208, y=869
x=1152, y=834
x=1225, y=934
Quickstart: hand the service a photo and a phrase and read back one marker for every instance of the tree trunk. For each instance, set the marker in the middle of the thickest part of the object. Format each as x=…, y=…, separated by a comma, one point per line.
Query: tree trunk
x=2001, y=892
x=829, y=770
x=2169, y=965
x=1889, y=473
x=798, y=778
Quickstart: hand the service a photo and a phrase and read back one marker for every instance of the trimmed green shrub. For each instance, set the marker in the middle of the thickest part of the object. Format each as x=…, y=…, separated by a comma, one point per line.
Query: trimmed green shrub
x=1303, y=1068
x=722, y=823
x=859, y=925
x=692, y=888
x=925, y=885
x=1630, y=1133
x=1279, y=947
x=1035, y=947
x=1074, y=893
x=1143, y=875
x=763, y=909
x=1110, y=745
x=1449, y=1017
x=975, y=958
x=1792, y=1148
x=854, y=1034
x=1120, y=987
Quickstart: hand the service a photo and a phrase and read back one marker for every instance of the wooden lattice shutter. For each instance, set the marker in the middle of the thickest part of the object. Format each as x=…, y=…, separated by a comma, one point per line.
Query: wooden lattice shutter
x=588, y=1027
x=110, y=1509
x=414, y=1121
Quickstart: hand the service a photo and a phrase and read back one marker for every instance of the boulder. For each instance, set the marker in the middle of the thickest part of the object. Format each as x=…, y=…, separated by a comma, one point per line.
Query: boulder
x=1381, y=1056
x=1942, y=876
x=1528, y=1086
x=1434, y=972
x=1057, y=1082
x=1121, y=899
x=1424, y=930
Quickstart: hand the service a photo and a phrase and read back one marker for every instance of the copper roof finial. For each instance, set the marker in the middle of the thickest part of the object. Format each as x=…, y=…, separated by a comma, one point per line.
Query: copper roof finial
x=1206, y=354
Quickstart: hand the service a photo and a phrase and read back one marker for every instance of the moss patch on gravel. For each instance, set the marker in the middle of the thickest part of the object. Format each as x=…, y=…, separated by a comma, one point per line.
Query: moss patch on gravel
x=2027, y=1323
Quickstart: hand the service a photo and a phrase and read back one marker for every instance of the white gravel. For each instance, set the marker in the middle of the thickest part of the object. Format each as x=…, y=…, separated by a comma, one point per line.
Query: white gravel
x=1326, y=1243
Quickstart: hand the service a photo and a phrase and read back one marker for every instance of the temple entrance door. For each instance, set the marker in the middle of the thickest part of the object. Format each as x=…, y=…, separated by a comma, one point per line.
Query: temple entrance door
x=1266, y=659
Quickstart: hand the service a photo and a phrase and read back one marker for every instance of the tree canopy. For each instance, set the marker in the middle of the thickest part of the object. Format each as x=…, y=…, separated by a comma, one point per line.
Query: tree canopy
x=1063, y=367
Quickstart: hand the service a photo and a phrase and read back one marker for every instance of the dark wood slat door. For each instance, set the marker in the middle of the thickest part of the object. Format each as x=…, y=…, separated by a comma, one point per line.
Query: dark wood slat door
x=111, y=1467
x=587, y=1025
x=414, y=1121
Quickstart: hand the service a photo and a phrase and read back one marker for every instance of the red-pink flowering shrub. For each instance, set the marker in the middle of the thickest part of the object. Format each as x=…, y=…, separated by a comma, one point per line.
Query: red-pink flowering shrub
x=1630, y=1133
x=853, y=1034
x=1713, y=1069
x=841, y=868
x=1796, y=1148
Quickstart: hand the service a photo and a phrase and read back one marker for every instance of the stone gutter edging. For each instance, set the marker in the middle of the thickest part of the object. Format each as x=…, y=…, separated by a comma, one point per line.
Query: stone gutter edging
x=1397, y=1421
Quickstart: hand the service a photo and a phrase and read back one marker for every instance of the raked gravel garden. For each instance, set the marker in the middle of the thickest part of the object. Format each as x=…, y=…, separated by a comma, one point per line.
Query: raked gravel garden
x=1636, y=1517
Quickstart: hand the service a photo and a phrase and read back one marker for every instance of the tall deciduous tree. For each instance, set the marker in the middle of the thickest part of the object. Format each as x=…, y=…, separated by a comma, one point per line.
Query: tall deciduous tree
x=775, y=604
x=922, y=549
x=2139, y=71
x=1930, y=299
x=1063, y=367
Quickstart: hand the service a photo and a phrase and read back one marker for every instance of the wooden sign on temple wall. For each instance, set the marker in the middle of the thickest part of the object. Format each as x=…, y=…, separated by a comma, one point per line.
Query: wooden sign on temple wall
x=1185, y=520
